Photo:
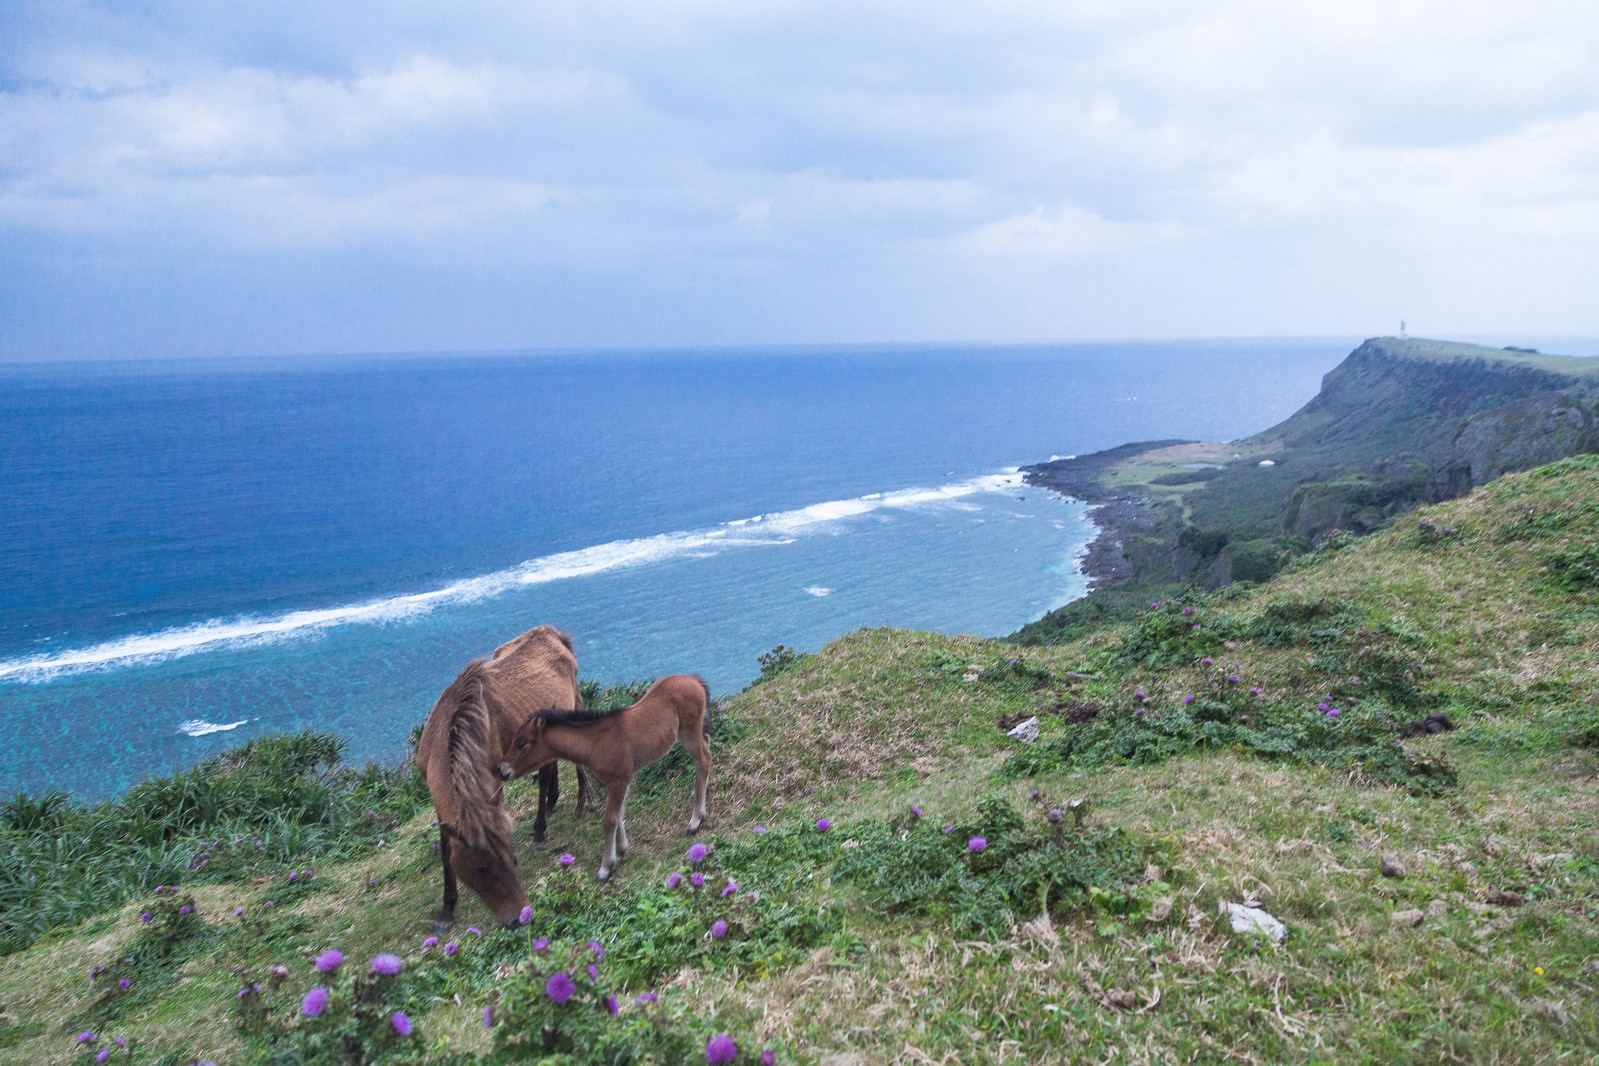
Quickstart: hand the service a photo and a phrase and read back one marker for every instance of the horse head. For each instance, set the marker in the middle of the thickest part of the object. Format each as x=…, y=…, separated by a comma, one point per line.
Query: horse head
x=488, y=867
x=527, y=751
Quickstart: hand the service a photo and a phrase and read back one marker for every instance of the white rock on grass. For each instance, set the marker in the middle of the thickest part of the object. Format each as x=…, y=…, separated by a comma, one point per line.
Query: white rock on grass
x=1026, y=732
x=1254, y=920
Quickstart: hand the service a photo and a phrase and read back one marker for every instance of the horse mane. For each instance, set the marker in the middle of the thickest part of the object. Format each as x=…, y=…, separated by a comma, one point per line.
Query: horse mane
x=580, y=717
x=480, y=820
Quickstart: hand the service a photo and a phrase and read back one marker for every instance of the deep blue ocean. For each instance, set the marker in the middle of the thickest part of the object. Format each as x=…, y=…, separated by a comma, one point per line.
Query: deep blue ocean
x=195, y=553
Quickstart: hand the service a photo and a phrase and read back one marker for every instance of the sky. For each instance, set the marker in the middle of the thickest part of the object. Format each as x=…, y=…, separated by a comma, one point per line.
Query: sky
x=191, y=178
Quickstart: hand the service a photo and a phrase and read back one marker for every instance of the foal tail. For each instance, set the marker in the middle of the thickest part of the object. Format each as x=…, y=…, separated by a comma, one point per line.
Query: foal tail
x=705, y=715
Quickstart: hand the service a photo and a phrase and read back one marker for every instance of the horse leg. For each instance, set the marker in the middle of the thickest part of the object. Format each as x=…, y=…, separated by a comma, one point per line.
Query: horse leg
x=446, y=916
x=615, y=799
x=546, y=801
x=582, y=788
x=700, y=748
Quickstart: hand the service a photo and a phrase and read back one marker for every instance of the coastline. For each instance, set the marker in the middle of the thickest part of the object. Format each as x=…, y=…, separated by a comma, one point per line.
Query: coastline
x=1115, y=515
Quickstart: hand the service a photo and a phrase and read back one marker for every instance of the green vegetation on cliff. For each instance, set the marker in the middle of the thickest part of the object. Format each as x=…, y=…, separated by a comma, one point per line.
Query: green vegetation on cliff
x=1399, y=423
x=913, y=884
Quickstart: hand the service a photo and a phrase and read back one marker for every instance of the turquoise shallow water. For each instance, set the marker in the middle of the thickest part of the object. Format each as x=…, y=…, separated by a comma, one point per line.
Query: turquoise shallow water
x=211, y=551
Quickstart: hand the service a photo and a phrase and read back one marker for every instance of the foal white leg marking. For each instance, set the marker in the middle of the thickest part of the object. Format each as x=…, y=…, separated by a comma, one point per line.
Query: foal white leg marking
x=702, y=775
x=621, y=823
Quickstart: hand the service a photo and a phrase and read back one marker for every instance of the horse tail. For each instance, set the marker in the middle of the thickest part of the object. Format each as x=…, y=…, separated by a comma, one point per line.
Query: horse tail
x=705, y=714
x=480, y=818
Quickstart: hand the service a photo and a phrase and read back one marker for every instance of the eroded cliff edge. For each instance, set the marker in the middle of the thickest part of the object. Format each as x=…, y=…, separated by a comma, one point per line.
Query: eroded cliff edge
x=1400, y=422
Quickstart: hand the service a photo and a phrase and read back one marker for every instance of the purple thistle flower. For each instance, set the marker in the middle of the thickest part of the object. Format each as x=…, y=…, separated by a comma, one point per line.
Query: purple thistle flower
x=718, y=930
x=1138, y=712
x=238, y=911
x=474, y=930
x=730, y=888
x=185, y=909
x=103, y=1054
x=1321, y=707
x=768, y=1057
x=293, y=876
x=329, y=960
x=146, y=917
x=560, y=987
x=123, y=985
x=824, y=825
x=1208, y=661
x=977, y=844
x=917, y=811
x=1233, y=679
x=759, y=829
x=430, y=942
x=646, y=997
x=1333, y=713
x=1188, y=610
x=594, y=972
x=697, y=852
x=719, y=1049
x=567, y=858
x=86, y=1037
x=488, y=1017
x=451, y=948
x=696, y=879
x=1188, y=699
x=1140, y=694
x=674, y=879
x=1254, y=690
x=386, y=965
x=401, y=1023
x=541, y=945
x=315, y=1002
x=526, y=915
x=598, y=949
x=612, y=1006
x=949, y=828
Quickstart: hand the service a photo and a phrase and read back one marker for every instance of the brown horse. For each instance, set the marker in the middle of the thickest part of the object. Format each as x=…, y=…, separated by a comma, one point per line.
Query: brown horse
x=465, y=736
x=456, y=755
x=615, y=745
x=531, y=675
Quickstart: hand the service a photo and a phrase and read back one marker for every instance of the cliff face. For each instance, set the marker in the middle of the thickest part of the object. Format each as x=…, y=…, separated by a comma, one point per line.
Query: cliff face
x=1398, y=423
x=1514, y=436
x=1401, y=422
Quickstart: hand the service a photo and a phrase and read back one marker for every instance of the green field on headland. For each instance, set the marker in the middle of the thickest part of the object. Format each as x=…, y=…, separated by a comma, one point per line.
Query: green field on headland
x=892, y=877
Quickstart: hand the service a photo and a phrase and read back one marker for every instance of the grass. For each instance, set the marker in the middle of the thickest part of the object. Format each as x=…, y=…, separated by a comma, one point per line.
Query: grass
x=884, y=939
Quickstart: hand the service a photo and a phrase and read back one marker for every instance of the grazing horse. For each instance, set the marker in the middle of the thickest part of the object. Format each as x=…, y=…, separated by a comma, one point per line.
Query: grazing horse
x=534, y=671
x=465, y=734
x=615, y=745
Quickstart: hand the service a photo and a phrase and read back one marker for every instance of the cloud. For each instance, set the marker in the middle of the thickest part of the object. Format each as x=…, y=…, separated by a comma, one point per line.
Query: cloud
x=789, y=171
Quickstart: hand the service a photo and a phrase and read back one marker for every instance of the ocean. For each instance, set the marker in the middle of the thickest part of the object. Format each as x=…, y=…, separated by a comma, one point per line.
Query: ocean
x=196, y=553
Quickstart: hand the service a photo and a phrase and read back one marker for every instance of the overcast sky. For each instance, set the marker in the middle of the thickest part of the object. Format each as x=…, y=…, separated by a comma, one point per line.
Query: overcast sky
x=188, y=177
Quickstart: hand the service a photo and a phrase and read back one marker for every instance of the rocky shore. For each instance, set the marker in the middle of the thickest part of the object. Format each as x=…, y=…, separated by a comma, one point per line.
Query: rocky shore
x=1116, y=515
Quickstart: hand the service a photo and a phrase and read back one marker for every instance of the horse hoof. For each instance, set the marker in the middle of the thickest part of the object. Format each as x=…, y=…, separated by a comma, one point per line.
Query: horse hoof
x=693, y=828
x=605, y=875
x=442, y=926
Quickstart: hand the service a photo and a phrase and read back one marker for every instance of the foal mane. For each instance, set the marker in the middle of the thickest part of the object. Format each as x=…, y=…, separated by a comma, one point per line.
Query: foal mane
x=580, y=717
x=480, y=820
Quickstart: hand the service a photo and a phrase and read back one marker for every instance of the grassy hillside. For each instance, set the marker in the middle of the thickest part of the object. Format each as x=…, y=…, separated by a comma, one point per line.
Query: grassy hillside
x=911, y=885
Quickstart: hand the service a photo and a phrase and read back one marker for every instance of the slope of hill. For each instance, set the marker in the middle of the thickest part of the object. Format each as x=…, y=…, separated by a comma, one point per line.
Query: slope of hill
x=890, y=877
x=1398, y=423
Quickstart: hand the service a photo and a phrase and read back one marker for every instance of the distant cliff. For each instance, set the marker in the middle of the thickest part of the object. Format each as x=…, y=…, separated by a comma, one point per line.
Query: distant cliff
x=1399, y=422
